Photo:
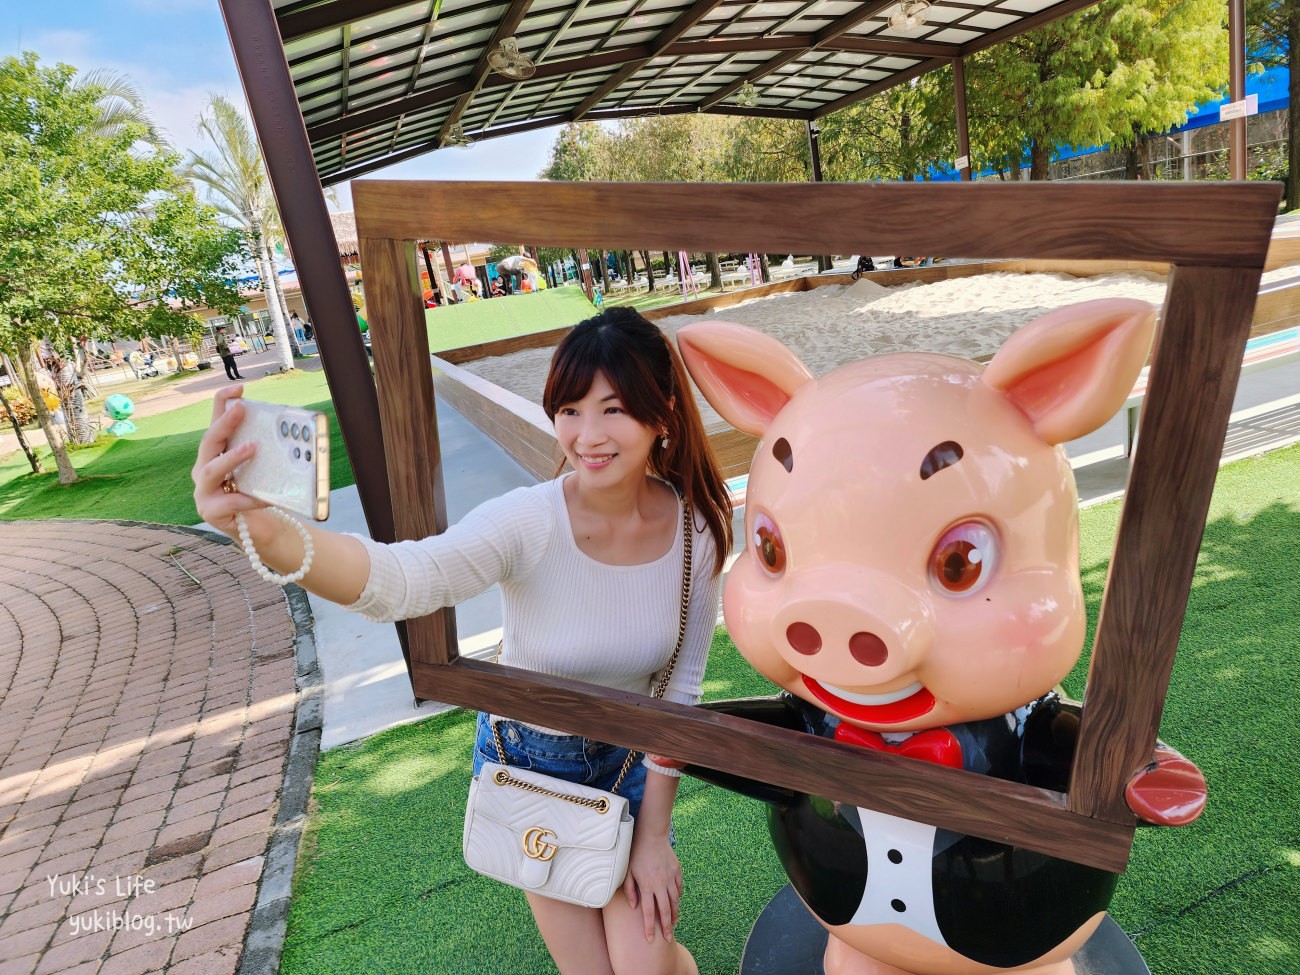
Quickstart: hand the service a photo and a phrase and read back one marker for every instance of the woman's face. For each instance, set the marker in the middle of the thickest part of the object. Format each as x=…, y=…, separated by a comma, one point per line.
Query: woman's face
x=604, y=444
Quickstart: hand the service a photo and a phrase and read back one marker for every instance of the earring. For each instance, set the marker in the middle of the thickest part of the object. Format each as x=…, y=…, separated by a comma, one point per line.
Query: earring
x=663, y=442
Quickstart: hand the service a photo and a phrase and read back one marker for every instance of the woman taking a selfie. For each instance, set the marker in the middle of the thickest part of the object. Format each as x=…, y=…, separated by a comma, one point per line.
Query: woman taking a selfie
x=591, y=573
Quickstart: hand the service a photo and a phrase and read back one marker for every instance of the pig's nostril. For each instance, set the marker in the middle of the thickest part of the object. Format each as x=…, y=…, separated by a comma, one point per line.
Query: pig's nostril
x=804, y=638
x=868, y=649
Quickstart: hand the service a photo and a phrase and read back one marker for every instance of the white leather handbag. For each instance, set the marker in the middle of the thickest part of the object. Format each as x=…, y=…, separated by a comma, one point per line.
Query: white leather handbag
x=542, y=834
x=552, y=837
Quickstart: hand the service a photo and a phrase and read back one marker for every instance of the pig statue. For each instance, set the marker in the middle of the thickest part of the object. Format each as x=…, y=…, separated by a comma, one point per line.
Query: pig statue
x=910, y=579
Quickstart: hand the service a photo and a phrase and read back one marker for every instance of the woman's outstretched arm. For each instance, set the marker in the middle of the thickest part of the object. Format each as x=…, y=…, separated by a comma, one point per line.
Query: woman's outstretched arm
x=341, y=564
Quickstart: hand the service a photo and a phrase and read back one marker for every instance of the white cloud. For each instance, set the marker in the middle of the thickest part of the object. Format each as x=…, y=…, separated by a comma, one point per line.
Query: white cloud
x=72, y=47
x=175, y=108
x=169, y=6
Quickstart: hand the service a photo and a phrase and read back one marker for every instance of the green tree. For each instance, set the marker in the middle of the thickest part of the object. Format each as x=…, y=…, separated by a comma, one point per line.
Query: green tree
x=1273, y=40
x=1108, y=74
x=1168, y=56
x=765, y=150
x=181, y=258
x=120, y=104
x=88, y=207
x=237, y=184
x=898, y=134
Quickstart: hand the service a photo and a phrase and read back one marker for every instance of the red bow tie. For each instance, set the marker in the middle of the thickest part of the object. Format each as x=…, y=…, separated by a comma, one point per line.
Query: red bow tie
x=936, y=745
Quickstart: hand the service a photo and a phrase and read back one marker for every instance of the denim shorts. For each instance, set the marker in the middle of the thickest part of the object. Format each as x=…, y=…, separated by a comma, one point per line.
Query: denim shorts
x=568, y=757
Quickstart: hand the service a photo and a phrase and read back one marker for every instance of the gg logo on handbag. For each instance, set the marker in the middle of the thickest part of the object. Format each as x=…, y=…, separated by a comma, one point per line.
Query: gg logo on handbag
x=535, y=845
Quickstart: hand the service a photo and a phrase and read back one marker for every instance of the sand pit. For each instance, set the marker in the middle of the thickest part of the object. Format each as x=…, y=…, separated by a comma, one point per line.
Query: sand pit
x=834, y=324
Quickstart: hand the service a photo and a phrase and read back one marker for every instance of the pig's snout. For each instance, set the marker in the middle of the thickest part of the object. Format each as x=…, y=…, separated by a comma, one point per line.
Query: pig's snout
x=849, y=625
x=866, y=648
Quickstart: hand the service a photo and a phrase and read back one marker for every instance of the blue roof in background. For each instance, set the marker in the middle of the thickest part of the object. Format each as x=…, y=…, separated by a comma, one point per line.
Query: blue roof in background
x=1270, y=85
x=284, y=272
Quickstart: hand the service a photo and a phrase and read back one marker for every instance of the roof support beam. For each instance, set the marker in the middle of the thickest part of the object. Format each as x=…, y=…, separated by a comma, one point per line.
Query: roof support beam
x=634, y=57
x=506, y=27
x=782, y=113
x=918, y=69
x=1011, y=30
x=343, y=89
x=823, y=37
x=415, y=70
x=268, y=87
x=384, y=113
x=331, y=15
x=670, y=35
x=541, y=55
x=963, y=129
x=361, y=169
x=454, y=89
x=885, y=46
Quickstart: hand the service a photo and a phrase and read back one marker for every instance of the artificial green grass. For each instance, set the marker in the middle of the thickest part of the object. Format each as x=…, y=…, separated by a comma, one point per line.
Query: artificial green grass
x=662, y=295
x=145, y=476
x=455, y=326
x=386, y=890
x=1223, y=895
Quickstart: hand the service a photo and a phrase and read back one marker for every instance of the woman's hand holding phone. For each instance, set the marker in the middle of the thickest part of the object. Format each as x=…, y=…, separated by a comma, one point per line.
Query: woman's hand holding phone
x=341, y=566
x=214, y=465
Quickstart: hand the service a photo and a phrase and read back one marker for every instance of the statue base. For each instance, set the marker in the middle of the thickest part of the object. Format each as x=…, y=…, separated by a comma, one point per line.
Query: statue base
x=787, y=940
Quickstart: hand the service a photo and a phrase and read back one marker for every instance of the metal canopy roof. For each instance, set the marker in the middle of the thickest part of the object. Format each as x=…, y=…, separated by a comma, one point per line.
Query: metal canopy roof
x=379, y=81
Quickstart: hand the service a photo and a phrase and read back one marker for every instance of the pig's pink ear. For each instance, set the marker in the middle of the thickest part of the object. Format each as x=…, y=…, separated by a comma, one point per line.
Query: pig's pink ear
x=746, y=375
x=1072, y=369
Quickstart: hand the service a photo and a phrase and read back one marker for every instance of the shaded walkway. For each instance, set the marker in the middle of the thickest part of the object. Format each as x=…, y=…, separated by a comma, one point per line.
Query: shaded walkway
x=147, y=705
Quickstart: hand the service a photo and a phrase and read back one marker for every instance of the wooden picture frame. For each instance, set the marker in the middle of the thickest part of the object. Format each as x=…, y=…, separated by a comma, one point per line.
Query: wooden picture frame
x=1215, y=236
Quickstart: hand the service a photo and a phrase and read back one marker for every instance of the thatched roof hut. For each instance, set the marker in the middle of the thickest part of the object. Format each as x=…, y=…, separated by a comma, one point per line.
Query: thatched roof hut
x=344, y=223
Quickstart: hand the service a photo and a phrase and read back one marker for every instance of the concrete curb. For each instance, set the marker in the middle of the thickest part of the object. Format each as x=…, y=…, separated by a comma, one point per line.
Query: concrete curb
x=266, y=931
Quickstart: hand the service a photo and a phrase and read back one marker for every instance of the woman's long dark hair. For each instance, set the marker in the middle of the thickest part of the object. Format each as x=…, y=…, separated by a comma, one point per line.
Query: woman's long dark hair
x=647, y=373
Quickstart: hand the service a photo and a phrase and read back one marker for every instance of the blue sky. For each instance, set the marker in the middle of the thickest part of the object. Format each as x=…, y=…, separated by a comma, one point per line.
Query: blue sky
x=176, y=52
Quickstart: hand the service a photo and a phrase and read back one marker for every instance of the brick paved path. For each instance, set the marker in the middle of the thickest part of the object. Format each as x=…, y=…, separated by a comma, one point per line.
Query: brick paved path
x=145, y=723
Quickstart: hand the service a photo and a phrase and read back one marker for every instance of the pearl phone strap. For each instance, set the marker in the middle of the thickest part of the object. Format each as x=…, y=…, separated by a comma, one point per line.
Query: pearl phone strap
x=246, y=541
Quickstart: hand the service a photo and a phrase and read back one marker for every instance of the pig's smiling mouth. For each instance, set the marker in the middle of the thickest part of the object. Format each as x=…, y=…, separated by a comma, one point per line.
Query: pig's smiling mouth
x=903, y=704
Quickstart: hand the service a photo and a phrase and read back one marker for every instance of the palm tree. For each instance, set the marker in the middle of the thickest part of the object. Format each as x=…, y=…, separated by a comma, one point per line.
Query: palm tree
x=238, y=187
x=121, y=104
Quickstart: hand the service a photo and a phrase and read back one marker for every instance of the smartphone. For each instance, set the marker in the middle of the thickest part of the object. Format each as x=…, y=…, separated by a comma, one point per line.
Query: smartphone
x=291, y=467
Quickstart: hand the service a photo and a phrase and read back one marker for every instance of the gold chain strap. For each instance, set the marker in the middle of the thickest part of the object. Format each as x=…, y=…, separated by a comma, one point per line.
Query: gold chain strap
x=502, y=777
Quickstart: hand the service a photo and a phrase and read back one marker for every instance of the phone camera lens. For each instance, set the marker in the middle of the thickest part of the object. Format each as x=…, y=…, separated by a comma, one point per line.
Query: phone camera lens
x=295, y=431
x=306, y=434
x=284, y=428
x=297, y=452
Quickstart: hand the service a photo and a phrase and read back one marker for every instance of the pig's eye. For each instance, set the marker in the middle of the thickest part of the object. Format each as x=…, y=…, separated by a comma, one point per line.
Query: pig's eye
x=965, y=558
x=768, y=545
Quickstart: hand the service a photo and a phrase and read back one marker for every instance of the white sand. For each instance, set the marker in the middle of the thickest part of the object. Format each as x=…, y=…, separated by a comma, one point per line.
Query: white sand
x=835, y=324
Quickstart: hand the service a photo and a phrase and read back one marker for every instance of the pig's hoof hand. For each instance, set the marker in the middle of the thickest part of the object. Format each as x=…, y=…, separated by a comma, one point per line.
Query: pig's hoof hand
x=1168, y=792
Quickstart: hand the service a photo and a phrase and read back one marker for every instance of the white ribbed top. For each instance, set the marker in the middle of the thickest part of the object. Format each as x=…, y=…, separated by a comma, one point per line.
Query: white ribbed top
x=563, y=613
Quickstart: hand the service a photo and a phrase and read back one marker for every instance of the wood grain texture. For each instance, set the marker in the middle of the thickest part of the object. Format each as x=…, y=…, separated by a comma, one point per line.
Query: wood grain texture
x=1215, y=224
x=400, y=344
x=1184, y=419
x=702, y=306
x=1219, y=231
x=484, y=350
x=519, y=426
x=951, y=798
x=1283, y=249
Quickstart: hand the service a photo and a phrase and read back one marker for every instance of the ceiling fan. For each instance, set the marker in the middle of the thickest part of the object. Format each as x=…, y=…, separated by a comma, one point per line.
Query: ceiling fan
x=910, y=15
x=508, y=61
x=456, y=137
